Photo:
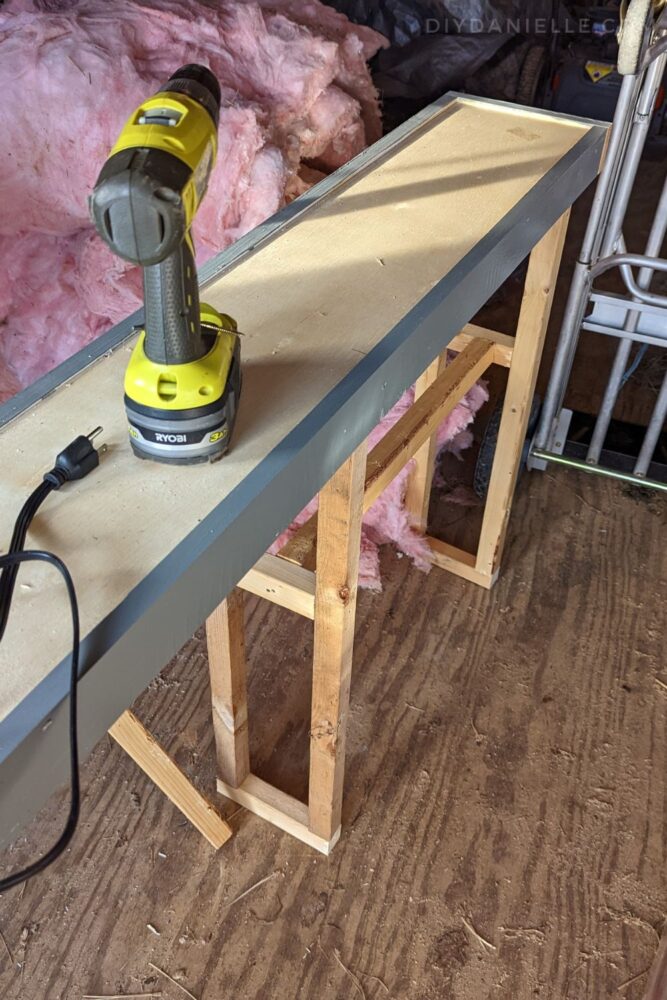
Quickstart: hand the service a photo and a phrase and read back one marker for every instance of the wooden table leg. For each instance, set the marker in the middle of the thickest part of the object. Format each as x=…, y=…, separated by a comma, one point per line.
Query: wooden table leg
x=338, y=541
x=225, y=636
x=531, y=330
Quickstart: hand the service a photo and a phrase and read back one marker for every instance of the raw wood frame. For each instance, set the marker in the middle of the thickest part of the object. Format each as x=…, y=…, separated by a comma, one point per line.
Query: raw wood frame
x=315, y=575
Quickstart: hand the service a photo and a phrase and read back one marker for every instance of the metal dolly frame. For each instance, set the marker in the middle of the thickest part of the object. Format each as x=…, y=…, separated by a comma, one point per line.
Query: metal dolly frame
x=641, y=317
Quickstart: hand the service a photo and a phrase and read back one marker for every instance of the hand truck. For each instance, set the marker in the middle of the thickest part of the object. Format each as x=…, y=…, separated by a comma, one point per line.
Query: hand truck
x=638, y=317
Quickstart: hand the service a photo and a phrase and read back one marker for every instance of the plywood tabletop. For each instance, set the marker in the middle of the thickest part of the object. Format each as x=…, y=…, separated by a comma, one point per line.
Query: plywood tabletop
x=313, y=303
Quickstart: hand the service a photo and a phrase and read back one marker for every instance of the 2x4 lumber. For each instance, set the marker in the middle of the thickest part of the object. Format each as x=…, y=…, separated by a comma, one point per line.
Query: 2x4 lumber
x=459, y=562
x=504, y=344
x=301, y=548
x=531, y=330
x=285, y=812
x=145, y=751
x=418, y=491
x=338, y=541
x=225, y=636
x=282, y=582
x=422, y=419
x=406, y=436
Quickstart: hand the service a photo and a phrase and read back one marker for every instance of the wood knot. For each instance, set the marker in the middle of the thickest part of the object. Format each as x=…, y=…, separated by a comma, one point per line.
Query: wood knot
x=344, y=594
x=325, y=737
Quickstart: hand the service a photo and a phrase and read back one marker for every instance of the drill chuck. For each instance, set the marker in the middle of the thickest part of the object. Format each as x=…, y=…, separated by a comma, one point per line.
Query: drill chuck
x=198, y=83
x=149, y=189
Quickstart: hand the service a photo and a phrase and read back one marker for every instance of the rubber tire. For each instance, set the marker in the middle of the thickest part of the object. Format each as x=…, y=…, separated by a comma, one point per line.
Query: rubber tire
x=487, y=448
x=530, y=75
x=631, y=36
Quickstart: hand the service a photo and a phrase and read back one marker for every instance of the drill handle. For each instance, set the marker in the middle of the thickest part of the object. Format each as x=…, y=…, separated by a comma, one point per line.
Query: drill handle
x=171, y=306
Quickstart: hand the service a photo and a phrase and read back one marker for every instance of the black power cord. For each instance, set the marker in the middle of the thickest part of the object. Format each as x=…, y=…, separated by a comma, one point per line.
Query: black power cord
x=75, y=462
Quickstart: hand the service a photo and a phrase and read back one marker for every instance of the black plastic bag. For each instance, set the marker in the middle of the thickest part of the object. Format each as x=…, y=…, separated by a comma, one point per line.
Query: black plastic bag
x=401, y=21
x=429, y=66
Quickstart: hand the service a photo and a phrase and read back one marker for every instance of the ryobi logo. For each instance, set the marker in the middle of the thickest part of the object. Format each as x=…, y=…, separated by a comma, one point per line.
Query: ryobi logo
x=171, y=438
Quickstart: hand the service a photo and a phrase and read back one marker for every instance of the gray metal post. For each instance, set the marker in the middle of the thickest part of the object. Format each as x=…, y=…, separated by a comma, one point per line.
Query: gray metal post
x=653, y=247
x=578, y=295
x=603, y=232
x=652, y=431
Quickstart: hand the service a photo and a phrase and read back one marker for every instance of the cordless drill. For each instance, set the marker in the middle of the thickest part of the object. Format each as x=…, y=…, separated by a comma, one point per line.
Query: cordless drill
x=183, y=381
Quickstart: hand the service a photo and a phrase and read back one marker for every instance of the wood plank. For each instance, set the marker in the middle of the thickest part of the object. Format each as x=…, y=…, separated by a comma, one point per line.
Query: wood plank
x=404, y=439
x=225, y=636
x=284, y=811
x=504, y=345
x=415, y=427
x=459, y=562
x=283, y=583
x=302, y=546
x=531, y=331
x=338, y=541
x=418, y=492
x=146, y=752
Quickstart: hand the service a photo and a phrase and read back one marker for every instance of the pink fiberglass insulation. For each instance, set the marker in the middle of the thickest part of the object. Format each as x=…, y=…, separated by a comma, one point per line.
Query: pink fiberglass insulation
x=298, y=101
x=295, y=87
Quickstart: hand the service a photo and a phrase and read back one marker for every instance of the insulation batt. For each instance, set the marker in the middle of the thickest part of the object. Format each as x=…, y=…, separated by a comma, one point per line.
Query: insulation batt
x=295, y=86
x=297, y=102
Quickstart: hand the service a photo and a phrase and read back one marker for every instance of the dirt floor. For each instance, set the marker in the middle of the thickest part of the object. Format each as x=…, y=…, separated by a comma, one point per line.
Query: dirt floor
x=503, y=830
x=505, y=802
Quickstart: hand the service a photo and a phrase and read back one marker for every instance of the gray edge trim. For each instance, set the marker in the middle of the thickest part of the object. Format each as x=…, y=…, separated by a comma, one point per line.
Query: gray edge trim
x=140, y=636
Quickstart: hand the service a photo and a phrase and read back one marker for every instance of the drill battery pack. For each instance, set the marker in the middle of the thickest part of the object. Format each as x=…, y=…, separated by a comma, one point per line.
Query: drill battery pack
x=184, y=414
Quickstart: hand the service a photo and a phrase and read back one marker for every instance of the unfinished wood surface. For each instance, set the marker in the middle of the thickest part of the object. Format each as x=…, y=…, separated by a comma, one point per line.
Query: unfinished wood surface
x=291, y=586
x=301, y=549
x=504, y=344
x=146, y=752
x=338, y=541
x=414, y=428
x=278, y=808
x=458, y=561
x=227, y=668
x=510, y=774
x=418, y=491
x=311, y=305
x=530, y=333
x=438, y=396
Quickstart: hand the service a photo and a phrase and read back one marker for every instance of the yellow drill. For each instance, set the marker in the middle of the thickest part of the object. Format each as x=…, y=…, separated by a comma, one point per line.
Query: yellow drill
x=183, y=381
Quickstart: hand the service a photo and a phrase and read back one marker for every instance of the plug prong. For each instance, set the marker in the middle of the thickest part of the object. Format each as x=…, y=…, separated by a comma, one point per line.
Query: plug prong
x=94, y=433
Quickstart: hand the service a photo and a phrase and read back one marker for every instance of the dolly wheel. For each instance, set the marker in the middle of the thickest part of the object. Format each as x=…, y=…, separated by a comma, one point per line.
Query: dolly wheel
x=531, y=74
x=487, y=448
x=631, y=36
